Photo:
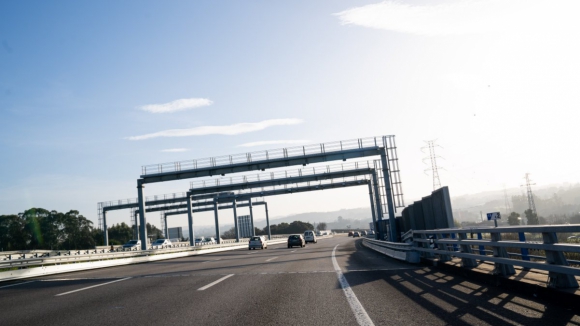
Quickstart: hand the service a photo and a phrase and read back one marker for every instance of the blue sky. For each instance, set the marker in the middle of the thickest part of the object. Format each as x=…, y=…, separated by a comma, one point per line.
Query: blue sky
x=494, y=81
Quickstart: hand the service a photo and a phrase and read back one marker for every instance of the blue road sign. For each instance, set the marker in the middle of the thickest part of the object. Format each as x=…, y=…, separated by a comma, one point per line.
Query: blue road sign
x=493, y=216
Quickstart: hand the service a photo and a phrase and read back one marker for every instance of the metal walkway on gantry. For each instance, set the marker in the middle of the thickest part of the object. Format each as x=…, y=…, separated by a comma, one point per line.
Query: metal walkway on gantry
x=384, y=147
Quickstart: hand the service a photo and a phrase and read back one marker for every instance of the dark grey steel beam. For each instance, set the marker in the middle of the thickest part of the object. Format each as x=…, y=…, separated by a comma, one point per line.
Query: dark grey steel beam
x=261, y=165
x=248, y=196
x=283, y=181
x=210, y=208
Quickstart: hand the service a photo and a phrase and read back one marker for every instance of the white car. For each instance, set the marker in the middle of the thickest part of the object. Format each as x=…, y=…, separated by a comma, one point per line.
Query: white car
x=309, y=236
x=258, y=242
x=210, y=240
x=199, y=241
x=160, y=243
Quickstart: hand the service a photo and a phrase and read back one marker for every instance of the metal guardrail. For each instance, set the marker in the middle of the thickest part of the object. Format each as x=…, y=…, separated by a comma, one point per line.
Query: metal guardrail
x=400, y=251
x=281, y=153
x=471, y=246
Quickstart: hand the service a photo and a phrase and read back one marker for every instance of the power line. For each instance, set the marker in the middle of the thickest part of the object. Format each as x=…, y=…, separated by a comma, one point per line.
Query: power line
x=433, y=158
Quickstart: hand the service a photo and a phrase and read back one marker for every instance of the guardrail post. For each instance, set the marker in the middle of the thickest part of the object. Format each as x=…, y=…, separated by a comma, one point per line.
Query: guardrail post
x=481, y=248
x=502, y=269
x=465, y=248
x=443, y=257
x=557, y=280
x=525, y=253
x=426, y=246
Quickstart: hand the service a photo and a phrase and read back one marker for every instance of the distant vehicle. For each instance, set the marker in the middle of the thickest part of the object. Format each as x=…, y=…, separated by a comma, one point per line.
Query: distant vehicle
x=160, y=243
x=132, y=245
x=363, y=232
x=296, y=240
x=350, y=233
x=257, y=242
x=210, y=240
x=199, y=241
x=309, y=236
x=572, y=237
x=355, y=234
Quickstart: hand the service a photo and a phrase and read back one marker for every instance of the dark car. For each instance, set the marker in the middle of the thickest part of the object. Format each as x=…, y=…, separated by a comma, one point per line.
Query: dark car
x=356, y=234
x=296, y=240
x=350, y=234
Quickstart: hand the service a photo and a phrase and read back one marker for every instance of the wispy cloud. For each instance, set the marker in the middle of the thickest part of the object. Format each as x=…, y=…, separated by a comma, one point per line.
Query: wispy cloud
x=235, y=129
x=274, y=142
x=177, y=105
x=175, y=150
x=451, y=18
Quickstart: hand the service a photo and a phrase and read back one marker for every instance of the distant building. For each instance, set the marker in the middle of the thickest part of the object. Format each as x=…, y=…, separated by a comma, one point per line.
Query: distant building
x=175, y=233
x=245, y=226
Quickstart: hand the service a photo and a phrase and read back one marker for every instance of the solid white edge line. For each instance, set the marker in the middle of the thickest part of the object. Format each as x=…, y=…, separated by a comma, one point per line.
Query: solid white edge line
x=7, y=286
x=94, y=286
x=214, y=283
x=272, y=258
x=359, y=311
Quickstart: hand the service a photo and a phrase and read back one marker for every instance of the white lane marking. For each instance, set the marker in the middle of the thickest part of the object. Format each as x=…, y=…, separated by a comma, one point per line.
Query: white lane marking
x=214, y=283
x=272, y=258
x=207, y=261
x=293, y=251
x=94, y=286
x=7, y=286
x=359, y=311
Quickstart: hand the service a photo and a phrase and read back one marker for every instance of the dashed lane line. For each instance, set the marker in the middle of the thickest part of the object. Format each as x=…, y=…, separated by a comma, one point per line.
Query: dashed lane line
x=271, y=258
x=214, y=283
x=359, y=311
x=94, y=286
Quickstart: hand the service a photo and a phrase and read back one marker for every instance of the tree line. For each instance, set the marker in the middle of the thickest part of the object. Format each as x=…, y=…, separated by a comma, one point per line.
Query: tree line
x=38, y=228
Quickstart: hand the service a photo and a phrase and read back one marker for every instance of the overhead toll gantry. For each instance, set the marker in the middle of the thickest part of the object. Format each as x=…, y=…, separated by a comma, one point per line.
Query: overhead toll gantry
x=384, y=147
x=203, y=193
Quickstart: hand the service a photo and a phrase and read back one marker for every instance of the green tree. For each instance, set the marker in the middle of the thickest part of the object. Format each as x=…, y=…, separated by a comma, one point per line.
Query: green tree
x=531, y=217
x=230, y=234
x=120, y=233
x=152, y=230
x=321, y=226
x=513, y=219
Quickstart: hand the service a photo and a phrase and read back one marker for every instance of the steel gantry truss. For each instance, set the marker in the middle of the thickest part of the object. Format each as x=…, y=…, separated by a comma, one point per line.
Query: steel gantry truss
x=266, y=187
x=388, y=179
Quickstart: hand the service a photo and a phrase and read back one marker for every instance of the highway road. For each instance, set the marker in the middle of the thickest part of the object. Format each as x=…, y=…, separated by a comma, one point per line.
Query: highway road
x=334, y=282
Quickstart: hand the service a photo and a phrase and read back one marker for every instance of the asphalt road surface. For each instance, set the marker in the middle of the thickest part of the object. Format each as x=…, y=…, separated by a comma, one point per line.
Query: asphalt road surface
x=277, y=286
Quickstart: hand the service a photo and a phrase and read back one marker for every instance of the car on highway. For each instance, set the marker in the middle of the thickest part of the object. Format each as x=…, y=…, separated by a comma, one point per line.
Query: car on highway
x=296, y=240
x=257, y=242
x=310, y=236
x=210, y=240
x=160, y=244
x=132, y=245
x=355, y=234
x=350, y=233
x=199, y=241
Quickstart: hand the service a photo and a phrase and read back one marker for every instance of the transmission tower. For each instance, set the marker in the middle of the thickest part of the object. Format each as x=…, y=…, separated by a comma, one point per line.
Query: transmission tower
x=507, y=202
x=531, y=204
x=433, y=158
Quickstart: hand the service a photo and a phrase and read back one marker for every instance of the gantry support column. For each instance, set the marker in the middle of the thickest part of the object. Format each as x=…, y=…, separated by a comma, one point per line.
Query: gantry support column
x=373, y=208
x=393, y=237
x=268, y=221
x=136, y=220
x=235, y=206
x=252, y=217
x=217, y=222
x=190, y=221
x=378, y=203
x=105, y=231
x=166, y=227
x=142, y=221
